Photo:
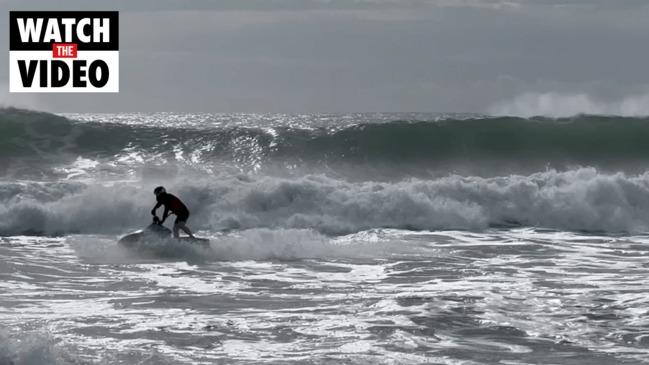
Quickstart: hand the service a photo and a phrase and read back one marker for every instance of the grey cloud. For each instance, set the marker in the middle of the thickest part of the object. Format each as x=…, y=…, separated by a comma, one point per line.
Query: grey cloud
x=368, y=55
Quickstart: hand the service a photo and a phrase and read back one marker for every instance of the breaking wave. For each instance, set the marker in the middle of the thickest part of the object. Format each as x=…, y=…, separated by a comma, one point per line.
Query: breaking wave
x=557, y=173
x=582, y=199
x=467, y=146
x=31, y=348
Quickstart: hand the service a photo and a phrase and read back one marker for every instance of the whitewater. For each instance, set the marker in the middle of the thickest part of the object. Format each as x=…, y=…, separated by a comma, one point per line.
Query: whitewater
x=335, y=238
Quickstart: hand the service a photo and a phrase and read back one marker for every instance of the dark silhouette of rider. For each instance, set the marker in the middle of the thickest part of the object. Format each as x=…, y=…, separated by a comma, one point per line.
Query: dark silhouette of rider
x=175, y=206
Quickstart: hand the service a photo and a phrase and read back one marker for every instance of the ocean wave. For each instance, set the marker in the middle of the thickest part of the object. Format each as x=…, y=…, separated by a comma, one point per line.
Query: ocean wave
x=31, y=348
x=503, y=144
x=581, y=199
x=251, y=244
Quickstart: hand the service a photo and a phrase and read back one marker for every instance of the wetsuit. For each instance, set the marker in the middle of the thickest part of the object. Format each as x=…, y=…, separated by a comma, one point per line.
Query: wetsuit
x=173, y=204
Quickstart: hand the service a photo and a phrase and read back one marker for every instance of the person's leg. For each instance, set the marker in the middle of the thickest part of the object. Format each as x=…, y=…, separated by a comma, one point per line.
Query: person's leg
x=176, y=228
x=183, y=224
x=186, y=230
x=180, y=224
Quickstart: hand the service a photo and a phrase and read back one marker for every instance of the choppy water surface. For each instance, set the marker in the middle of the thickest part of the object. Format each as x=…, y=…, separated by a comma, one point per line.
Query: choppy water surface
x=516, y=296
x=336, y=238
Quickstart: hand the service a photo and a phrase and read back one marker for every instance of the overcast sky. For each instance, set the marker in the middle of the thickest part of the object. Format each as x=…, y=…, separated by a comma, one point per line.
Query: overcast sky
x=486, y=56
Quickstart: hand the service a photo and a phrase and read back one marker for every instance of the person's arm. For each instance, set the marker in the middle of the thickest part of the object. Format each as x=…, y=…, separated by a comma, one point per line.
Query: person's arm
x=155, y=208
x=164, y=215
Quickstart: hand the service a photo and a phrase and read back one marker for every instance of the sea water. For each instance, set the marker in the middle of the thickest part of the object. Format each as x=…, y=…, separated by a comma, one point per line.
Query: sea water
x=357, y=238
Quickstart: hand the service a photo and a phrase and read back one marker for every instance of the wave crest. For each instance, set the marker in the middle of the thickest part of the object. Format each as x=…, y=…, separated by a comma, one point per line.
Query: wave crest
x=475, y=146
x=581, y=199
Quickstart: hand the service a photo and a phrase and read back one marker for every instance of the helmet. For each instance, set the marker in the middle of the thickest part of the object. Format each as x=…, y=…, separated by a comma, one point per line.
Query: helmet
x=159, y=190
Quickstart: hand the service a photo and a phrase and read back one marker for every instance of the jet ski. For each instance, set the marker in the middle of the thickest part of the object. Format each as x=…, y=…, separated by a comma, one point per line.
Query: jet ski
x=156, y=232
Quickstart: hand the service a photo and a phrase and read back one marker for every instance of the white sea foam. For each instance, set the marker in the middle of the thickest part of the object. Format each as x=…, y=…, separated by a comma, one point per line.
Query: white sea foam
x=580, y=199
x=568, y=104
x=30, y=348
